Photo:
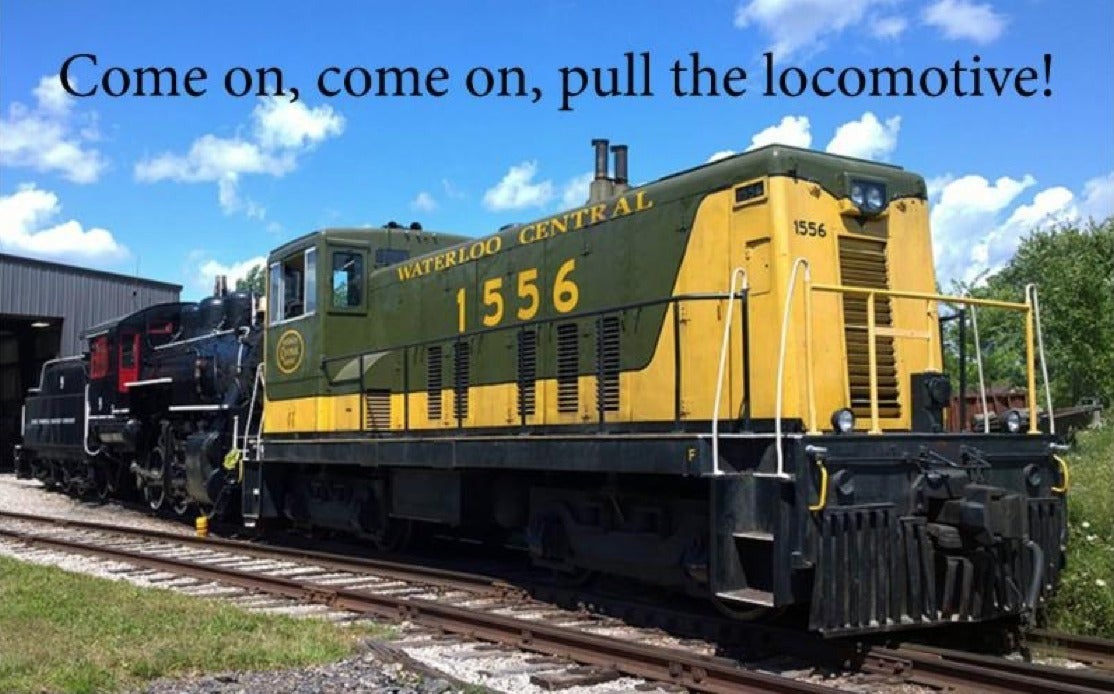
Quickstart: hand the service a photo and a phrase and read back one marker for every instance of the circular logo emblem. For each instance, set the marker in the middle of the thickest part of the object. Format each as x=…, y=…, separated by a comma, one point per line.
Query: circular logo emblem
x=289, y=351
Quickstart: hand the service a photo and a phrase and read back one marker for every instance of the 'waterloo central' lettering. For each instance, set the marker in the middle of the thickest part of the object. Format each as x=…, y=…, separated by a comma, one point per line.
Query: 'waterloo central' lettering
x=531, y=233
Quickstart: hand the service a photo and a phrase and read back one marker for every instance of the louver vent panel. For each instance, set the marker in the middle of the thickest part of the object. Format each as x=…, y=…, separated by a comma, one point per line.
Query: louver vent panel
x=568, y=368
x=862, y=263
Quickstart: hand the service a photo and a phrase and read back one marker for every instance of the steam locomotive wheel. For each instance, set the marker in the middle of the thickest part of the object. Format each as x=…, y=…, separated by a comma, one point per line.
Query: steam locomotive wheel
x=155, y=496
x=153, y=492
x=182, y=506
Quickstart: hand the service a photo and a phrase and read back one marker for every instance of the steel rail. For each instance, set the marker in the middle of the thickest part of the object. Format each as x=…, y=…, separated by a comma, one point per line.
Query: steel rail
x=950, y=668
x=1094, y=651
x=696, y=672
x=379, y=567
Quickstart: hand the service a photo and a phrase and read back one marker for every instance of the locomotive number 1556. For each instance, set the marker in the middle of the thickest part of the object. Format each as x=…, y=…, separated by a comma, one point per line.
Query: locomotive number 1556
x=565, y=296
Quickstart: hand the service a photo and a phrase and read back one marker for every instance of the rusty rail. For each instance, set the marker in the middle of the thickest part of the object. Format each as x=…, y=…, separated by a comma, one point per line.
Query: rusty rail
x=696, y=672
x=940, y=667
x=389, y=569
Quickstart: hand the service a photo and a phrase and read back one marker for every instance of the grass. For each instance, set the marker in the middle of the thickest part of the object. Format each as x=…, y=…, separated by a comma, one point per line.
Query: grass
x=1084, y=603
x=65, y=632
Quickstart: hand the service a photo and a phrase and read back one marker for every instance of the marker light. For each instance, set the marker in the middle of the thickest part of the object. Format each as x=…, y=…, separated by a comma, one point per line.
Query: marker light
x=843, y=421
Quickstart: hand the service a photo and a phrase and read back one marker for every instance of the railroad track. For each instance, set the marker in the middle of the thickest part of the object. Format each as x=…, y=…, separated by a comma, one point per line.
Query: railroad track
x=959, y=670
x=1094, y=652
x=692, y=671
x=481, y=608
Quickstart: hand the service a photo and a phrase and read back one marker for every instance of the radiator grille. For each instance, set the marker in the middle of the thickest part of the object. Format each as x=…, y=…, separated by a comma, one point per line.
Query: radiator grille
x=607, y=362
x=862, y=263
x=527, y=371
x=568, y=368
x=462, y=364
x=377, y=410
x=434, y=383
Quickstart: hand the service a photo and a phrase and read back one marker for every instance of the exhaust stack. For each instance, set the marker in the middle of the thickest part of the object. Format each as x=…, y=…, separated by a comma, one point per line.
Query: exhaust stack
x=621, y=180
x=602, y=187
x=601, y=159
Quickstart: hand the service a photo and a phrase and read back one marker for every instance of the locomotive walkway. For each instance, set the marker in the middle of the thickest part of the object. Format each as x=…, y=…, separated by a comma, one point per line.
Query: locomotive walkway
x=480, y=608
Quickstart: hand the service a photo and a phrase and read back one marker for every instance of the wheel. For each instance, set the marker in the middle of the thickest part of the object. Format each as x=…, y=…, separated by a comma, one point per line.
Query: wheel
x=182, y=506
x=154, y=493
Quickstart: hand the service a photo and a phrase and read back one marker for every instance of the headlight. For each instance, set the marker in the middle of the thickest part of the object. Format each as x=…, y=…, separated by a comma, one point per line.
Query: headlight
x=843, y=421
x=868, y=196
x=1013, y=421
x=858, y=195
x=874, y=199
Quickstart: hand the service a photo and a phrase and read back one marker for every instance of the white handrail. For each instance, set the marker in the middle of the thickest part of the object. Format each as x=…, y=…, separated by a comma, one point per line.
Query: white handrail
x=781, y=358
x=85, y=438
x=1032, y=288
x=978, y=362
x=735, y=274
x=251, y=410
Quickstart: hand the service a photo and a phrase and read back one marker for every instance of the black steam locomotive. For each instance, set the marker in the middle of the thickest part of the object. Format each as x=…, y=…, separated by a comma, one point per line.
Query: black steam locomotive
x=158, y=407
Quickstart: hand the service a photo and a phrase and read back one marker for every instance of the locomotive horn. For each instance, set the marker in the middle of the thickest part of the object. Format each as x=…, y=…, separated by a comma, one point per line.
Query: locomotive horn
x=620, y=152
x=601, y=159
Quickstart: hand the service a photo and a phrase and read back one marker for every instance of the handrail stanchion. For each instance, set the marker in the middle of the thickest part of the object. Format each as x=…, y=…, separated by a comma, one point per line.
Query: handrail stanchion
x=1030, y=367
x=872, y=359
x=735, y=274
x=978, y=363
x=811, y=382
x=1032, y=289
x=781, y=359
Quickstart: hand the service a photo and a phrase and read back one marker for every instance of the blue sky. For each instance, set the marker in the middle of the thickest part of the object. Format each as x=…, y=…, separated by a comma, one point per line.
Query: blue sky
x=183, y=188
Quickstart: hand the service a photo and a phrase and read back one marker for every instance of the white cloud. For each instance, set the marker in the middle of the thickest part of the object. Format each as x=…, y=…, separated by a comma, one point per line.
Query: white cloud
x=228, y=194
x=49, y=137
x=28, y=226
x=281, y=132
x=963, y=19
x=1098, y=197
x=977, y=224
x=575, y=191
x=866, y=138
x=424, y=202
x=803, y=25
x=280, y=124
x=517, y=189
x=205, y=271
x=888, y=27
x=792, y=130
x=1048, y=207
x=451, y=191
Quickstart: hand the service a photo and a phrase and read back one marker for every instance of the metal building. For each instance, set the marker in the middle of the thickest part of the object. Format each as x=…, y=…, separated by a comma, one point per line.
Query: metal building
x=44, y=307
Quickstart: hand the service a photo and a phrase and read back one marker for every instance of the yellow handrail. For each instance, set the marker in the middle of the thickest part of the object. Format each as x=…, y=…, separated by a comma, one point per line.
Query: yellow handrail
x=872, y=349
x=1065, y=476
x=823, y=500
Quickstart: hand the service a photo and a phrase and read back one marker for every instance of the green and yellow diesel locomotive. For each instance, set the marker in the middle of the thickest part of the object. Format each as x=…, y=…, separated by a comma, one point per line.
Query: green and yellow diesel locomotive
x=727, y=381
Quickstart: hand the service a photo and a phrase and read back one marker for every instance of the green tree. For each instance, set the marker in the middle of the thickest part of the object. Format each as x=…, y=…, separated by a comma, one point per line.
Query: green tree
x=254, y=281
x=1073, y=268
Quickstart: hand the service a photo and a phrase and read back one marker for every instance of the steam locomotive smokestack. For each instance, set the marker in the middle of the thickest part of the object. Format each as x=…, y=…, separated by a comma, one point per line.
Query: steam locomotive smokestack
x=601, y=159
x=620, y=152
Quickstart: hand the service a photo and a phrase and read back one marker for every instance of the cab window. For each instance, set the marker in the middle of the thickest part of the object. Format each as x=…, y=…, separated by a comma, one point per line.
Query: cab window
x=348, y=279
x=293, y=286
